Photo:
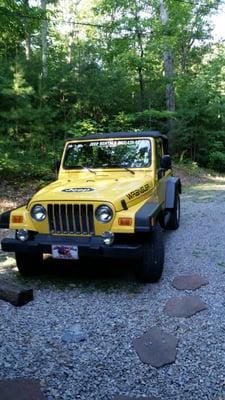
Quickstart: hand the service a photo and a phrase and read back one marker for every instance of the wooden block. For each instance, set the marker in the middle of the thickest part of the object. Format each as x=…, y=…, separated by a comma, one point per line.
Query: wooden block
x=20, y=389
x=134, y=398
x=15, y=294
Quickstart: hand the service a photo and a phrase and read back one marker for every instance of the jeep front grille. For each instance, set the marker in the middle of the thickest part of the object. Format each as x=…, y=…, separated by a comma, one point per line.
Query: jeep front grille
x=71, y=218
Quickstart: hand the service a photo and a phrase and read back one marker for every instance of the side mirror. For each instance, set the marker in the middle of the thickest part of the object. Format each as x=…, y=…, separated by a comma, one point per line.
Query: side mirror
x=57, y=166
x=165, y=162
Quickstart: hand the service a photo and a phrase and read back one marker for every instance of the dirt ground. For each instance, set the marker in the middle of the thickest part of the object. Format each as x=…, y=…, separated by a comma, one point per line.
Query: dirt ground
x=112, y=309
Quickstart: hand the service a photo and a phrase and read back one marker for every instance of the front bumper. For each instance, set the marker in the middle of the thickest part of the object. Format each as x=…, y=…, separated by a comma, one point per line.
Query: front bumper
x=91, y=246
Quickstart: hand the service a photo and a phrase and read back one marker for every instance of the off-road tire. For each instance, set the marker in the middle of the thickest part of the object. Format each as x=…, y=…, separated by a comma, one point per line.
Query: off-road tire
x=29, y=264
x=151, y=264
x=174, y=220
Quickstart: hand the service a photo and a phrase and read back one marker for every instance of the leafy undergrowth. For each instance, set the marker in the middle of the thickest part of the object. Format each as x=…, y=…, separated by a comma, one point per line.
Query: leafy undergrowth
x=14, y=194
x=192, y=175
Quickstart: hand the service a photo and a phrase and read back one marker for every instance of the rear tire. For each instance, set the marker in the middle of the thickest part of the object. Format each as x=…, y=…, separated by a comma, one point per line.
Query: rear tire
x=151, y=266
x=29, y=264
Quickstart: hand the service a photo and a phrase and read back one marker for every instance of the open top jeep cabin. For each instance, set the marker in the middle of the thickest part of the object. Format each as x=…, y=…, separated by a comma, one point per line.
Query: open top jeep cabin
x=114, y=194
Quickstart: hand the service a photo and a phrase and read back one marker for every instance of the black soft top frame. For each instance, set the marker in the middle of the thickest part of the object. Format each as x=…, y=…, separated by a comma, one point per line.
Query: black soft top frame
x=116, y=135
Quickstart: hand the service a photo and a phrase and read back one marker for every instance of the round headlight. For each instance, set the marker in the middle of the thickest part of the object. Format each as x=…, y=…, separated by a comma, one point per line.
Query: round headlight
x=104, y=214
x=38, y=212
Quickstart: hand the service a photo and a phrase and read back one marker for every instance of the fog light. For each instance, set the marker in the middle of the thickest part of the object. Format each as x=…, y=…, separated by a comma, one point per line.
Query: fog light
x=108, y=238
x=22, y=234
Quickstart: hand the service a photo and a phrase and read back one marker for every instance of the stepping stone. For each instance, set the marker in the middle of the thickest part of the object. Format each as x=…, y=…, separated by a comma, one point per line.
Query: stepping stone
x=20, y=389
x=184, y=306
x=189, y=282
x=15, y=294
x=134, y=398
x=156, y=347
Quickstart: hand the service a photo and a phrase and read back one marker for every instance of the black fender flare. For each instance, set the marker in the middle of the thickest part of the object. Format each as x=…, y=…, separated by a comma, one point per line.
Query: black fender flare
x=144, y=214
x=4, y=220
x=173, y=185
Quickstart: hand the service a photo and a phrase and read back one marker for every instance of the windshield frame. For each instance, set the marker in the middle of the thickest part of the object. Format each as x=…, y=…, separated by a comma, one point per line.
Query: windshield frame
x=108, y=167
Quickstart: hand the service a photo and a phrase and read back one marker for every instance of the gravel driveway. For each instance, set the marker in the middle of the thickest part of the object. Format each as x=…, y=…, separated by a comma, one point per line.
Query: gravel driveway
x=109, y=309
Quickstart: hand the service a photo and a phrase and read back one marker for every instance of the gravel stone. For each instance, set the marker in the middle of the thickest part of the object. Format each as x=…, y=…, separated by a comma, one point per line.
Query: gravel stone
x=113, y=309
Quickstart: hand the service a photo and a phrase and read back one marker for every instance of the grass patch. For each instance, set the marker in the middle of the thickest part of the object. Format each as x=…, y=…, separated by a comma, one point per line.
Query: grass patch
x=206, y=192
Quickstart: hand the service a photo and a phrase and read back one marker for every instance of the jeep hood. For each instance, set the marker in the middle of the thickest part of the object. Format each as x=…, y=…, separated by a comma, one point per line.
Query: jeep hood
x=109, y=190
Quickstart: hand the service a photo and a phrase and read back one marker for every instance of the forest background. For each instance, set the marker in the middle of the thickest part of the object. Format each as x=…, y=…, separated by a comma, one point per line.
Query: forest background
x=71, y=67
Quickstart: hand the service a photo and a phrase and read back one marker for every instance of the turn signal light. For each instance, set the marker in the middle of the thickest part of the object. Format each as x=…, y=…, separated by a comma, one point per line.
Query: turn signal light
x=17, y=219
x=125, y=221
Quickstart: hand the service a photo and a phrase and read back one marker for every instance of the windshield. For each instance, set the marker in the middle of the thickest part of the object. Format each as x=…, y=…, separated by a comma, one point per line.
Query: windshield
x=135, y=153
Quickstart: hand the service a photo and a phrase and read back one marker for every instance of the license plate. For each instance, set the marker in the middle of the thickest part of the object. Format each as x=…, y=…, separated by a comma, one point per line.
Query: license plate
x=65, y=252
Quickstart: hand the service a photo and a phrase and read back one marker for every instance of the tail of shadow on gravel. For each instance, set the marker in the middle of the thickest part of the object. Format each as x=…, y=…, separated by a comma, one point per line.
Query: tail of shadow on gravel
x=98, y=274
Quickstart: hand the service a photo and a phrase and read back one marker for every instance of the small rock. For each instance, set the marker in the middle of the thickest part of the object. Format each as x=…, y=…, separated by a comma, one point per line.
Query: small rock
x=74, y=335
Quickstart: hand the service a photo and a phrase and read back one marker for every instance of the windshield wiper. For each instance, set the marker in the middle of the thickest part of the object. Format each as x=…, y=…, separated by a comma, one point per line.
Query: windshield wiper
x=85, y=167
x=89, y=169
x=130, y=170
x=119, y=166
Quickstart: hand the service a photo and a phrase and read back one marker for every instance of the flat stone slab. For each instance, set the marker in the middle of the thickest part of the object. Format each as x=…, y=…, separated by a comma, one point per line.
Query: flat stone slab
x=20, y=389
x=156, y=347
x=189, y=282
x=134, y=398
x=15, y=294
x=184, y=306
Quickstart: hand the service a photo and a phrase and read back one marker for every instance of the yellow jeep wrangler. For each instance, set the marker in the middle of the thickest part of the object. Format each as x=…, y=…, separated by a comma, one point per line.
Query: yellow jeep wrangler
x=114, y=194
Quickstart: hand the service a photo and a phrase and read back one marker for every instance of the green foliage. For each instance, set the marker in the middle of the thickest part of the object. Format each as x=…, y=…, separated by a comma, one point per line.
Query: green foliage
x=108, y=78
x=86, y=126
x=217, y=161
x=19, y=161
x=190, y=167
x=199, y=128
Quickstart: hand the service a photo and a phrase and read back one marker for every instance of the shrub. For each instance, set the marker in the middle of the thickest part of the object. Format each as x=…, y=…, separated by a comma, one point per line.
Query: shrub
x=217, y=161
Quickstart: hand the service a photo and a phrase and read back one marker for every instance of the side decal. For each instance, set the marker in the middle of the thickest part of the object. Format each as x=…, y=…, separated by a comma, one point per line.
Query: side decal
x=138, y=192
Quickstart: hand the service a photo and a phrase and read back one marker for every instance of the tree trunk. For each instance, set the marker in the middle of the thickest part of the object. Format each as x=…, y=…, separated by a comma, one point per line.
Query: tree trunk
x=140, y=71
x=168, y=62
x=141, y=54
x=44, y=41
x=168, y=66
x=27, y=35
